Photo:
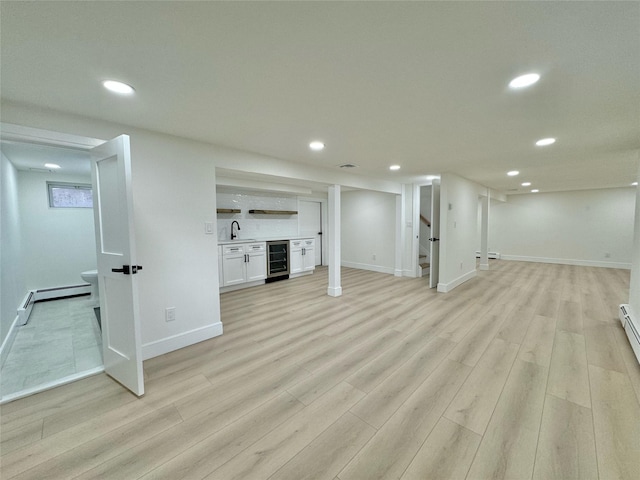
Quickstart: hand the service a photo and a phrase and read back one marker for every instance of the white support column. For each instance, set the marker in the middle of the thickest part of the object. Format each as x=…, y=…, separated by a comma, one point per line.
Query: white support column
x=399, y=234
x=335, y=287
x=484, y=232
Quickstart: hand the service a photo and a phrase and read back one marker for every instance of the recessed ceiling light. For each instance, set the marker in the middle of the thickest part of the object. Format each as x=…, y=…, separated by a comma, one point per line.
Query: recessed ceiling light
x=526, y=184
x=535, y=190
x=513, y=173
x=543, y=142
x=431, y=177
x=118, y=87
x=524, y=80
x=316, y=146
x=394, y=167
x=634, y=184
x=55, y=166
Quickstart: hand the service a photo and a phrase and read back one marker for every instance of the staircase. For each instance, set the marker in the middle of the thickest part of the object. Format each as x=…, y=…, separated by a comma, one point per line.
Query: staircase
x=425, y=266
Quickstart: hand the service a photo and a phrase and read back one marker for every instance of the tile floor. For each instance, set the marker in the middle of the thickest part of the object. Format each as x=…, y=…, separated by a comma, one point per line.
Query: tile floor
x=62, y=338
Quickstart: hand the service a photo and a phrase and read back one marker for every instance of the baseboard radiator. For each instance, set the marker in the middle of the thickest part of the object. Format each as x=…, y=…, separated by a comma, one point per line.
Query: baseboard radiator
x=25, y=308
x=631, y=326
x=33, y=296
x=492, y=255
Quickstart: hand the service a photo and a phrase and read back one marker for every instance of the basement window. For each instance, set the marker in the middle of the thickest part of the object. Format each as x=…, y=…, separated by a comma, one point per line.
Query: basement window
x=70, y=195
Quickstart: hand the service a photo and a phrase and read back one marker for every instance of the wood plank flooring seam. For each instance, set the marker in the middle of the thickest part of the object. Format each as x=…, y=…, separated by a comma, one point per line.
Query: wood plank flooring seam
x=492, y=413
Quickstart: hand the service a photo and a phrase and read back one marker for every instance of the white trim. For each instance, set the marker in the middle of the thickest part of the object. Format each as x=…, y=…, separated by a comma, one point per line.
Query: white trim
x=55, y=383
x=415, y=232
x=37, y=136
x=334, y=292
x=301, y=274
x=447, y=287
x=8, y=340
x=181, y=340
x=240, y=286
x=484, y=266
x=62, y=292
x=491, y=255
x=567, y=261
x=409, y=273
x=397, y=273
x=366, y=266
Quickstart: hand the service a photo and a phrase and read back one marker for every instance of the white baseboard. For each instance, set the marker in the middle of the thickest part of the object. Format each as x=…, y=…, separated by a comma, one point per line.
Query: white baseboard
x=300, y=274
x=366, y=266
x=491, y=255
x=567, y=261
x=409, y=273
x=8, y=340
x=447, y=287
x=166, y=345
x=484, y=266
x=240, y=286
x=397, y=272
x=334, y=291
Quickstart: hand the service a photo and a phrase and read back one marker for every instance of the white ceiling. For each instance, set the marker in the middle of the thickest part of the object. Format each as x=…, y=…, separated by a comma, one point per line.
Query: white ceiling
x=420, y=84
x=27, y=156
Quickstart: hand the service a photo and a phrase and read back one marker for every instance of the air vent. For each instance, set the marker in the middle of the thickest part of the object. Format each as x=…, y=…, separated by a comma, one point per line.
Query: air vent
x=348, y=165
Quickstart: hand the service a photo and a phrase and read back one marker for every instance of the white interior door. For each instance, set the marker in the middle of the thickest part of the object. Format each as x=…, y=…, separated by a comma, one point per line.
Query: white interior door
x=434, y=249
x=117, y=268
x=310, y=224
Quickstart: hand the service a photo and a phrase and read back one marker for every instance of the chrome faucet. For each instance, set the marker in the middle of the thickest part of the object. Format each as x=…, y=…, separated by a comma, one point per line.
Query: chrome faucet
x=233, y=235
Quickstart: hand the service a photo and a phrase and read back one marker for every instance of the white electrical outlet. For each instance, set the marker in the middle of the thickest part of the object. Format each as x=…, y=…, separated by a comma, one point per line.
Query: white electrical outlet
x=170, y=314
x=208, y=228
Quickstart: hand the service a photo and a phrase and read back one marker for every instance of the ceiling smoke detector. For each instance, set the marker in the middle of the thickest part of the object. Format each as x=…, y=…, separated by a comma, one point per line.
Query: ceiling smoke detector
x=348, y=165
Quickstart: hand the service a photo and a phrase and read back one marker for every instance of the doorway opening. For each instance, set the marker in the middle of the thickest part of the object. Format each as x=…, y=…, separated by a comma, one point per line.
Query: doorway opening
x=60, y=340
x=424, y=254
x=310, y=224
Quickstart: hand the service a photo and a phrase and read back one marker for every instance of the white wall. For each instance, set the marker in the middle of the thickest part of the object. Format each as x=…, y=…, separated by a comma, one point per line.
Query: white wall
x=174, y=194
x=458, y=230
x=368, y=223
x=57, y=243
x=173, y=182
x=256, y=225
x=578, y=227
x=12, y=286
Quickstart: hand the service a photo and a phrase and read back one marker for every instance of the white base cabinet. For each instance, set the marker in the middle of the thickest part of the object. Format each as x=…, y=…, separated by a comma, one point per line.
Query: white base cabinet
x=302, y=256
x=243, y=262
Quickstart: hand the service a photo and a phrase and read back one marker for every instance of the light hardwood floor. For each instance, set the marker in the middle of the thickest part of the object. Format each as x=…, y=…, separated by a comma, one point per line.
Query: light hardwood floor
x=523, y=372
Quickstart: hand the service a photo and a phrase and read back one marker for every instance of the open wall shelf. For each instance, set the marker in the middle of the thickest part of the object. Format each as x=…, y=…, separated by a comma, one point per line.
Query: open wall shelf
x=274, y=212
x=227, y=210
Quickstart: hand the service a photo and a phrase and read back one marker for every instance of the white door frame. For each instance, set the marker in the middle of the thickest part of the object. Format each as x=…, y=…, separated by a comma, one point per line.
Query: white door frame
x=415, y=241
x=36, y=136
x=323, y=220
